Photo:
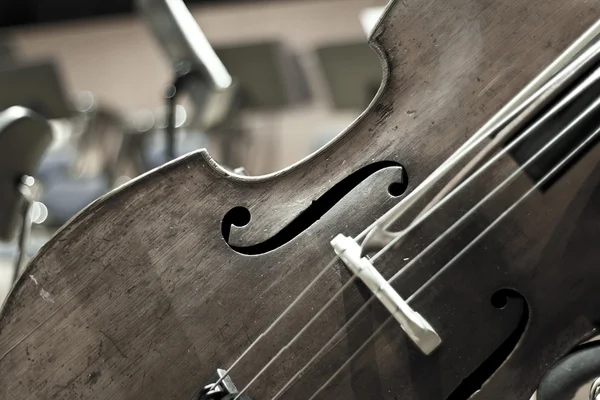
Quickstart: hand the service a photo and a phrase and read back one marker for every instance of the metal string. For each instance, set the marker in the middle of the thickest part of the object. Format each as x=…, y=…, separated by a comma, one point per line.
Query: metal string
x=283, y=314
x=555, y=74
x=438, y=240
x=498, y=122
x=430, y=281
x=564, y=102
x=306, y=289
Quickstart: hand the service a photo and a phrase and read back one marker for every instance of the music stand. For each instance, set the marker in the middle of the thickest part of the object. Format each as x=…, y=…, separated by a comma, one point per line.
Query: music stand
x=36, y=86
x=267, y=75
x=353, y=74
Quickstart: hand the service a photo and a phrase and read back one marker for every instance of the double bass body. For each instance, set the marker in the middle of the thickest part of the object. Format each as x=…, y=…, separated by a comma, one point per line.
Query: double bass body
x=152, y=288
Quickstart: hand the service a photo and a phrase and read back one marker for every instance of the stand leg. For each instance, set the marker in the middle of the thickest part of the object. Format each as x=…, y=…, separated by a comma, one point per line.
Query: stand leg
x=171, y=97
x=24, y=188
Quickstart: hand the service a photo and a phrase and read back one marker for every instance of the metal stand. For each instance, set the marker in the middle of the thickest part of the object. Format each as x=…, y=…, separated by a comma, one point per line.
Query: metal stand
x=26, y=222
x=182, y=78
x=229, y=130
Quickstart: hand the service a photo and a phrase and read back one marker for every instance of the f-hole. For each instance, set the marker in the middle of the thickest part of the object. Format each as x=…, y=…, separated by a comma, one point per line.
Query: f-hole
x=240, y=216
x=474, y=382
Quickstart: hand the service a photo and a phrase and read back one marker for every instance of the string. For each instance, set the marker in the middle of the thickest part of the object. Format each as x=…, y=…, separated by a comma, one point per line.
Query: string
x=565, y=102
x=293, y=340
x=286, y=311
x=535, y=107
x=536, y=102
x=352, y=357
x=274, y=323
x=438, y=240
x=498, y=122
x=430, y=281
x=557, y=108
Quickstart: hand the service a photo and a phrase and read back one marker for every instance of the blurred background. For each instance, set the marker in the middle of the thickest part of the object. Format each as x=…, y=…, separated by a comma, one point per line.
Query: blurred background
x=109, y=90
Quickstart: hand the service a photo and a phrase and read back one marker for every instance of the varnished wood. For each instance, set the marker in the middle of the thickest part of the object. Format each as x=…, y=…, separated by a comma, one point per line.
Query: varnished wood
x=141, y=297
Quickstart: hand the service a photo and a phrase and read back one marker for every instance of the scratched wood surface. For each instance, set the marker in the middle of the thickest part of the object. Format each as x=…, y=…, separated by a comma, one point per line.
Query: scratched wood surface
x=140, y=296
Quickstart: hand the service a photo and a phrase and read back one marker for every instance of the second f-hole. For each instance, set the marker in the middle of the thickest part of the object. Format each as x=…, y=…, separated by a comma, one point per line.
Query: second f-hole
x=475, y=381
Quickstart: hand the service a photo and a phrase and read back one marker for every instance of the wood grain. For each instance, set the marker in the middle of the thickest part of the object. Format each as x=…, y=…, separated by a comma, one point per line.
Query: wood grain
x=140, y=296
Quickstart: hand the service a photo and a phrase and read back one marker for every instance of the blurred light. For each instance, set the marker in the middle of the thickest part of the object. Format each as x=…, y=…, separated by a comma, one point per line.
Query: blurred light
x=39, y=212
x=369, y=17
x=143, y=120
x=28, y=180
x=180, y=116
x=84, y=101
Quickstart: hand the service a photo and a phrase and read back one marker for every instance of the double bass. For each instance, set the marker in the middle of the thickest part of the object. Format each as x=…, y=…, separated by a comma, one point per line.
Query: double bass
x=443, y=247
